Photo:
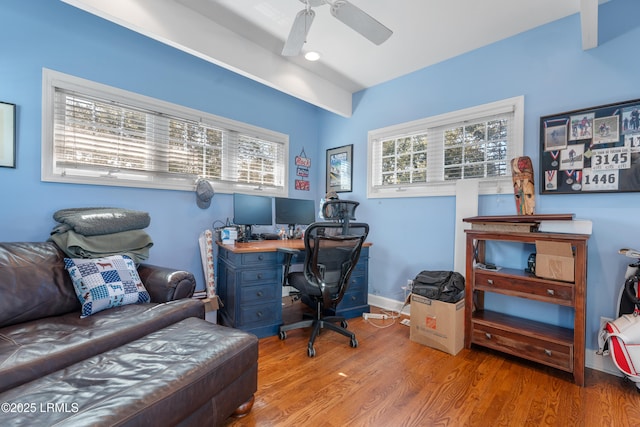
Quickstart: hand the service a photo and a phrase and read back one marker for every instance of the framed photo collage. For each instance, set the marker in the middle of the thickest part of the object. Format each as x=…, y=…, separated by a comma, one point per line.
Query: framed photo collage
x=593, y=150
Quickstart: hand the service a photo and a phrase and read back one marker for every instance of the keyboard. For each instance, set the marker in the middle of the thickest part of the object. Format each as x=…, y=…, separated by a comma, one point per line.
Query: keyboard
x=270, y=236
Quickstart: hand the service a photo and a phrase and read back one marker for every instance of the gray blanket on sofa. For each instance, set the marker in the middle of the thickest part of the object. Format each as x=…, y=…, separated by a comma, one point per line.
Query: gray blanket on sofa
x=98, y=221
x=134, y=243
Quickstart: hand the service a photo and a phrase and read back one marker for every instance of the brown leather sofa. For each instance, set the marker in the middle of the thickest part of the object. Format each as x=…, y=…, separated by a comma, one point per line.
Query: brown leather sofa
x=157, y=363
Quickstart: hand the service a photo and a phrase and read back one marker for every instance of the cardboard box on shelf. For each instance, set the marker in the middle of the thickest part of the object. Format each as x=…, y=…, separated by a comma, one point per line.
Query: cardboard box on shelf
x=437, y=324
x=554, y=260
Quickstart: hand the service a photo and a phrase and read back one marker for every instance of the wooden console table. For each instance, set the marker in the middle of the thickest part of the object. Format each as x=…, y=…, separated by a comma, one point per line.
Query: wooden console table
x=559, y=347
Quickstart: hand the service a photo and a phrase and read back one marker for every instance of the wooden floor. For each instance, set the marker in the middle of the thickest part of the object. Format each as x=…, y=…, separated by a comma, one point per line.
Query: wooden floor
x=390, y=381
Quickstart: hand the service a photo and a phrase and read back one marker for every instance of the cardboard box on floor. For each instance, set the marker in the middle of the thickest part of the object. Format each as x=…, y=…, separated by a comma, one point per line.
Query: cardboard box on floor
x=437, y=324
x=211, y=306
x=554, y=260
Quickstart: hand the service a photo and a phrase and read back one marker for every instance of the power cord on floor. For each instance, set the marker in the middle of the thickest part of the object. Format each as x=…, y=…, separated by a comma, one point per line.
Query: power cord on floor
x=379, y=325
x=385, y=315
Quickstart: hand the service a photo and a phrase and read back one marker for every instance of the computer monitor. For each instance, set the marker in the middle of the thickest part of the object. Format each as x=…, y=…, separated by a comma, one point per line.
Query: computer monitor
x=250, y=210
x=294, y=212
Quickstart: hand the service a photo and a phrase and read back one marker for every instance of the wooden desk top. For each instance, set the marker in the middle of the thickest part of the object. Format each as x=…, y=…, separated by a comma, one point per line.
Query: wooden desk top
x=267, y=246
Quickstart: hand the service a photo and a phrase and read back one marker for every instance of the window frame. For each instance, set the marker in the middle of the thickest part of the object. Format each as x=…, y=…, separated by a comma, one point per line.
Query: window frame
x=52, y=80
x=489, y=185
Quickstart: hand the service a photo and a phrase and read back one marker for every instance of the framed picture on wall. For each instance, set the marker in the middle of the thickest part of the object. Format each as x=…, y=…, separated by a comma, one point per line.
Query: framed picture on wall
x=592, y=150
x=340, y=169
x=7, y=135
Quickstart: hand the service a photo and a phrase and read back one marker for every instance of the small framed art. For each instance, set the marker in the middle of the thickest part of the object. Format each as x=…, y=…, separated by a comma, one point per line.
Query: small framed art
x=340, y=169
x=7, y=135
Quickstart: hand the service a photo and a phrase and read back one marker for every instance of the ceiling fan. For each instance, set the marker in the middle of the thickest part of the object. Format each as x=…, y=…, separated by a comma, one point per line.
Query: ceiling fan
x=347, y=13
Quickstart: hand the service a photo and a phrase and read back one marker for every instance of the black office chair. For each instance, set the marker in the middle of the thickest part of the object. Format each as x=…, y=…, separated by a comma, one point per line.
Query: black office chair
x=332, y=250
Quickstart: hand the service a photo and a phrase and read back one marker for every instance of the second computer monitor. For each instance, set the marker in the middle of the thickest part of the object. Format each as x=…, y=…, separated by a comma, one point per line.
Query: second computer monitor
x=294, y=212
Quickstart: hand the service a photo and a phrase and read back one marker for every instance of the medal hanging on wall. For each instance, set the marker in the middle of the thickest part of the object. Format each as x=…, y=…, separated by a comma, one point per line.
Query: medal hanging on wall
x=577, y=185
x=569, y=174
x=554, y=156
x=551, y=182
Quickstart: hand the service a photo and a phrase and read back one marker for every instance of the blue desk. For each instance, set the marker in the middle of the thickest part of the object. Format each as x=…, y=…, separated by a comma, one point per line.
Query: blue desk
x=250, y=285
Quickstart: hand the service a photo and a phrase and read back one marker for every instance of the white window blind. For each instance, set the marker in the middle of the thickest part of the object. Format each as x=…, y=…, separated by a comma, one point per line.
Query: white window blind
x=427, y=156
x=101, y=135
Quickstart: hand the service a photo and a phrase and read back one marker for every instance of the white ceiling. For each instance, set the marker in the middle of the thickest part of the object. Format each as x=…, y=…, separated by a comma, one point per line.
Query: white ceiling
x=247, y=36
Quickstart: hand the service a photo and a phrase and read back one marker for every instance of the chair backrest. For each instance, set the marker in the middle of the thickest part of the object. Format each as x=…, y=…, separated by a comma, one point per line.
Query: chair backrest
x=342, y=211
x=331, y=256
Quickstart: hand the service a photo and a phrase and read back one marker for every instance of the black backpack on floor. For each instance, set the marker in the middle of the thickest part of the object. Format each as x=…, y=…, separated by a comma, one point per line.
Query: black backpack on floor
x=446, y=286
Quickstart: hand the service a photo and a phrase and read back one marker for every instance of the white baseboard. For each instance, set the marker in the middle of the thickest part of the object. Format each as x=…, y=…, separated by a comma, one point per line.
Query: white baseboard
x=388, y=304
x=592, y=360
x=601, y=363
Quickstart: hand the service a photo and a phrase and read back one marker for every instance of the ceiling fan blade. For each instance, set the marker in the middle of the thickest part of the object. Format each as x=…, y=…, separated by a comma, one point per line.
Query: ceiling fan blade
x=298, y=34
x=360, y=21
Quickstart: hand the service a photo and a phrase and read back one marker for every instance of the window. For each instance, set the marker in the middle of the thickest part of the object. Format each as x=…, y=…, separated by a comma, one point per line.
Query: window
x=426, y=157
x=95, y=134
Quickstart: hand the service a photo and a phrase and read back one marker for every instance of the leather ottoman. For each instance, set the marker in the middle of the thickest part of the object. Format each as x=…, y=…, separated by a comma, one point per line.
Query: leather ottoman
x=190, y=373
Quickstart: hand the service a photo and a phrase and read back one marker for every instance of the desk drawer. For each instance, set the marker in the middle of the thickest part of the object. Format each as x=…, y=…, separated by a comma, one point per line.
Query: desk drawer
x=360, y=269
x=259, y=258
x=259, y=293
x=538, y=350
x=543, y=290
x=357, y=282
x=351, y=299
x=262, y=275
x=259, y=314
x=249, y=259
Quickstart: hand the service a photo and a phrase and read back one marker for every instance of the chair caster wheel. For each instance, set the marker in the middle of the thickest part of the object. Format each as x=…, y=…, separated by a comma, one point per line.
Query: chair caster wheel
x=354, y=343
x=311, y=352
x=344, y=324
x=283, y=335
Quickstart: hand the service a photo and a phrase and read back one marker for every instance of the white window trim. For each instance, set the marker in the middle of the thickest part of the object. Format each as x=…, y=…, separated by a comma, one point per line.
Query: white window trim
x=502, y=185
x=53, y=79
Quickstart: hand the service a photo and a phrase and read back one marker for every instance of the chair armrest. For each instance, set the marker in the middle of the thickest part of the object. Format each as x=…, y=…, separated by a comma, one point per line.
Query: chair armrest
x=289, y=251
x=166, y=284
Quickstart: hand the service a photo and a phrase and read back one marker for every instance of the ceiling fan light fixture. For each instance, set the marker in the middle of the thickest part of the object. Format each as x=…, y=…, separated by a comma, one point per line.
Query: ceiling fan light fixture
x=342, y=10
x=312, y=56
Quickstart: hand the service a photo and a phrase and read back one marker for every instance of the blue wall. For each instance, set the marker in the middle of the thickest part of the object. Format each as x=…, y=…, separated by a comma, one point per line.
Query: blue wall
x=546, y=65
x=51, y=34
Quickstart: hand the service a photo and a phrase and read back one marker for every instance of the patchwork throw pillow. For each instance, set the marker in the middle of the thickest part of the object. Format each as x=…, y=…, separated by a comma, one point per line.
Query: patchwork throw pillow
x=108, y=282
